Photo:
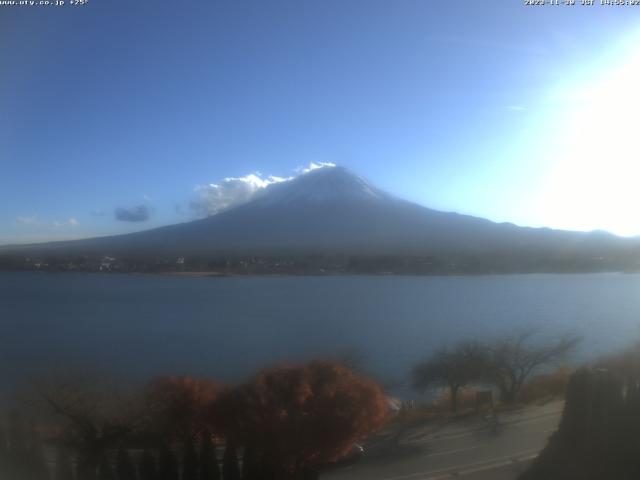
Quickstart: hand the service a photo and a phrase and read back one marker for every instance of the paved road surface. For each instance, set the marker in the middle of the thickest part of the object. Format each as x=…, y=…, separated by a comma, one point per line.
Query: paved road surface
x=473, y=449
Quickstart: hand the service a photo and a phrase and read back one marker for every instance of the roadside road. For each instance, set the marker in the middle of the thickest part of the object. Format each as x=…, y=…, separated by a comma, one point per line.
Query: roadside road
x=476, y=448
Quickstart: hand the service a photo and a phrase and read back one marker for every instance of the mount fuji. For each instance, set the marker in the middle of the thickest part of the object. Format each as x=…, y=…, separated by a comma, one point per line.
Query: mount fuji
x=331, y=210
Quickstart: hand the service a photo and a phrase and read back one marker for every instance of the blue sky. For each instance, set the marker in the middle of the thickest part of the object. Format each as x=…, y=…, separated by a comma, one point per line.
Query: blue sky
x=113, y=113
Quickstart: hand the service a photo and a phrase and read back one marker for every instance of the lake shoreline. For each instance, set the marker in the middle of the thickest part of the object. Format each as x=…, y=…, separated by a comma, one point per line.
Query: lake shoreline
x=214, y=274
x=218, y=274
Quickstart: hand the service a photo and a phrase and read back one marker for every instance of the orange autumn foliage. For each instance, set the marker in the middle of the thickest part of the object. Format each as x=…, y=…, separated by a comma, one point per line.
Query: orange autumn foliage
x=300, y=416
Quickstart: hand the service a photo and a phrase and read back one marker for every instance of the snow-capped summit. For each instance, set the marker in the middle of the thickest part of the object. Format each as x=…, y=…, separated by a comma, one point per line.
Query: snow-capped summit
x=327, y=184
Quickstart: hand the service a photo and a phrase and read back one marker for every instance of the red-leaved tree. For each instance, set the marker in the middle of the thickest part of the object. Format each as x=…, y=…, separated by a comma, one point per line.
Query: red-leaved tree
x=295, y=418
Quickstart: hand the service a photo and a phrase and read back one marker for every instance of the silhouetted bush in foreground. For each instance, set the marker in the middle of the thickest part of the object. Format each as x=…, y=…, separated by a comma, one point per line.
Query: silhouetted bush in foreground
x=599, y=434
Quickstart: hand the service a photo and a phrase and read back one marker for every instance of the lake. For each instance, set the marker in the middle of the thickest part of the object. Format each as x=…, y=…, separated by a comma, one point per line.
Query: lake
x=139, y=326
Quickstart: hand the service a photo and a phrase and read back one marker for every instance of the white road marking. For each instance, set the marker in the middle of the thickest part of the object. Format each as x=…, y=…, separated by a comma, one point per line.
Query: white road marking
x=504, y=423
x=449, y=452
x=483, y=468
x=533, y=419
x=527, y=458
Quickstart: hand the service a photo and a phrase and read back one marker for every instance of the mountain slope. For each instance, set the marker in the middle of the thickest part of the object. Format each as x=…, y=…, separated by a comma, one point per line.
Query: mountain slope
x=331, y=210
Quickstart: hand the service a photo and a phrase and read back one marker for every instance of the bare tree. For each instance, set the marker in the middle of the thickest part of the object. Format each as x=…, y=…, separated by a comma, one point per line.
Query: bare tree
x=92, y=417
x=512, y=360
x=452, y=368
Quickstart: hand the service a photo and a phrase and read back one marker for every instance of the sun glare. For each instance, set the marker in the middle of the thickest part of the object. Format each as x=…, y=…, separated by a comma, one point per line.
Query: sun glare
x=595, y=181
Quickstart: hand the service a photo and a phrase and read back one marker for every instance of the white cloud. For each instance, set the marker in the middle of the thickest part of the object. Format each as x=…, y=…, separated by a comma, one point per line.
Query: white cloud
x=230, y=192
x=72, y=222
x=27, y=220
x=35, y=221
x=233, y=191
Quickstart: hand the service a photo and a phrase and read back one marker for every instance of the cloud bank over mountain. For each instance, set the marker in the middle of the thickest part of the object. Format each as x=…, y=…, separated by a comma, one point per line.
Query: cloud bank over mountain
x=233, y=191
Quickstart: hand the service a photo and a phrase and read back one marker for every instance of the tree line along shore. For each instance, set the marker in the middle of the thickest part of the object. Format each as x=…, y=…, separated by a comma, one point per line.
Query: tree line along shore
x=433, y=263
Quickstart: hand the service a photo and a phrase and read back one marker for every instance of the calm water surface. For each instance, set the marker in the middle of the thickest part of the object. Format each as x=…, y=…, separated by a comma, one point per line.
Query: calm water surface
x=140, y=326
